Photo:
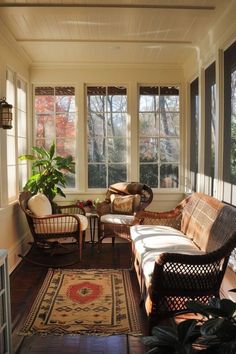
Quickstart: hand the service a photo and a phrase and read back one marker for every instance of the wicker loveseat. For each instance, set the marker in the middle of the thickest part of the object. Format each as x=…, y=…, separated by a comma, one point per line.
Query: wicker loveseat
x=182, y=254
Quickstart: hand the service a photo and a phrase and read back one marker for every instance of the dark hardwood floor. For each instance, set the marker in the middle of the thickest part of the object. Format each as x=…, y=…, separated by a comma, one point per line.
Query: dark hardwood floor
x=25, y=282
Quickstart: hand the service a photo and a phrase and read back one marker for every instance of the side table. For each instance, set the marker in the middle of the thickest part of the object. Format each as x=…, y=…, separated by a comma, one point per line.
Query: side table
x=93, y=224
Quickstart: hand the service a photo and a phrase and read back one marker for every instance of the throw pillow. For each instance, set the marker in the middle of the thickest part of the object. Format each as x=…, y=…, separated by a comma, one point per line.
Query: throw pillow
x=40, y=205
x=122, y=204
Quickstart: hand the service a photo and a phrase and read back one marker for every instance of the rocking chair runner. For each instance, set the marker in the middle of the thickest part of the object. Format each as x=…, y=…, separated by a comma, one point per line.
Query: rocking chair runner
x=54, y=233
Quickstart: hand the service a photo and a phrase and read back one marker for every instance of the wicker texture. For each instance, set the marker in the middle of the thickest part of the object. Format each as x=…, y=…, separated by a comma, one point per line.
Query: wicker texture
x=178, y=278
x=113, y=230
x=48, y=231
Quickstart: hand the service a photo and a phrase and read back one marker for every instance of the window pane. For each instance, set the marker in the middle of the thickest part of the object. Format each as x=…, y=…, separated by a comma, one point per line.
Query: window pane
x=116, y=150
x=233, y=127
x=169, y=124
x=65, y=125
x=65, y=147
x=116, y=173
x=169, y=176
x=45, y=126
x=96, y=150
x=22, y=176
x=11, y=178
x=11, y=150
x=169, y=150
x=149, y=174
x=148, y=149
x=44, y=104
x=149, y=124
x=116, y=124
x=96, y=124
x=65, y=103
x=21, y=117
x=97, y=176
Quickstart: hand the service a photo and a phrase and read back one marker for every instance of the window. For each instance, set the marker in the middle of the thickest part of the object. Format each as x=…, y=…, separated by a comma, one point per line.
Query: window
x=210, y=122
x=194, y=103
x=159, y=136
x=107, y=135
x=229, y=170
x=55, y=120
x=16, y=92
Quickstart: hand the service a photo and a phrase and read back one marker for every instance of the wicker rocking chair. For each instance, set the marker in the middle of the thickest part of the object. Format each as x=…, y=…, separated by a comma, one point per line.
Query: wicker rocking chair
x=55, y=234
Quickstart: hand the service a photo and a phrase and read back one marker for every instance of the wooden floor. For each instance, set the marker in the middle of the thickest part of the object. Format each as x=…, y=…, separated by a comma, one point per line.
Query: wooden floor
x=25, y=282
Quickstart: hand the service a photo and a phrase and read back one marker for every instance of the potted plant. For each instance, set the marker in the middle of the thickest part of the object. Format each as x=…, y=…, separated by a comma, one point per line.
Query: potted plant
x=48, y=171
x=214, y=332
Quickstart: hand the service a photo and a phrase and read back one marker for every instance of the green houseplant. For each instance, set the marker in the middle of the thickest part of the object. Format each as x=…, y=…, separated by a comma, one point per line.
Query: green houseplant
x=214, y=332
x=48, y=171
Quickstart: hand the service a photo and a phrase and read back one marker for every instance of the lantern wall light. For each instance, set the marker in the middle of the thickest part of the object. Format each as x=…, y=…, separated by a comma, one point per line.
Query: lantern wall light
x=5, y=114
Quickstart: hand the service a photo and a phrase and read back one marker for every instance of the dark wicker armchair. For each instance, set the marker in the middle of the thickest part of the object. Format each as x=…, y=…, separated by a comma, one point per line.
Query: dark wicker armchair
x=117, y=212
x=55, y=231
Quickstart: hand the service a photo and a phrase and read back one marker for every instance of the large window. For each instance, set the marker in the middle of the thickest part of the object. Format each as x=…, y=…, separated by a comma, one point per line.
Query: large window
x=194, y=132
x=159, y=136
x=55, y=115
x=210, y=122
x=229, y=174
x=16, y=92
x=107, y=135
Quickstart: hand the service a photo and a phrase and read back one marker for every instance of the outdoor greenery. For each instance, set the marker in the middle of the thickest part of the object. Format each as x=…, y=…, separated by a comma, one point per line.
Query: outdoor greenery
x=214, y=332
x=48, y=171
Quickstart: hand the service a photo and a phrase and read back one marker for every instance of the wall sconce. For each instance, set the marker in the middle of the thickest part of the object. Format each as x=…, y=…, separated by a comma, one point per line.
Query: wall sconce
x=5, y=114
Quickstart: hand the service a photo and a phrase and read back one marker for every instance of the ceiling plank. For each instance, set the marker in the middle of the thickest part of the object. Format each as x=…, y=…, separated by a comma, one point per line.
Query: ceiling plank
x=122, y=6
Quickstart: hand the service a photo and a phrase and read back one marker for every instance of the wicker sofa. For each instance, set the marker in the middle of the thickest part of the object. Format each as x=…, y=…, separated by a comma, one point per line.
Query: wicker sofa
x=182, y=254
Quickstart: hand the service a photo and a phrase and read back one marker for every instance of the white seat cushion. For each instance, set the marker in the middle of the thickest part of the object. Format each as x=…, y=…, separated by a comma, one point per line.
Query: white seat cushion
x=117, y=219
x=60, y=225
x=40, y=205
x=150, y=241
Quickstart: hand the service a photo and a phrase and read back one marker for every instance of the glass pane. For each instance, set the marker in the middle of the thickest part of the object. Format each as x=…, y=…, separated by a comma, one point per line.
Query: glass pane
x=65, y=125
x=45, y=127
x=96, y=124
x=97, y=176
x=116, y=124
x=148, y=149
x=11, y=150
x=21, y=115
x=11, y=179
x=22, y=147
x=22, y=176
x=169, y=150
x=116, y=103
x=149, y=174
x=43, y=142
x=96, y=150
x=96, y=103
x=169, y=176
x=213, y=127
x=117, y=150
x=70, y=180
x=233, y=127
x=169, y=103
x=65, y=147
x=116, y=173
x=169, y=124
x=44, y=104
x=148, y=103
x=149, y=124
x=65, y=103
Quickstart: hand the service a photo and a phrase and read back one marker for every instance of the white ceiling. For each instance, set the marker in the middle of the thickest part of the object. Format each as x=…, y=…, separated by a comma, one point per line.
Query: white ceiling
x=135, y=31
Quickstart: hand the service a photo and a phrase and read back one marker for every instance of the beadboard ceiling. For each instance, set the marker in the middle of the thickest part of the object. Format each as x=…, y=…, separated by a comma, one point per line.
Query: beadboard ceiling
x=106, y=32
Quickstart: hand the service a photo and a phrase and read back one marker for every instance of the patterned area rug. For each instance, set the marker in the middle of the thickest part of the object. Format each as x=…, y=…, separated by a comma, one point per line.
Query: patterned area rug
x=84, y=301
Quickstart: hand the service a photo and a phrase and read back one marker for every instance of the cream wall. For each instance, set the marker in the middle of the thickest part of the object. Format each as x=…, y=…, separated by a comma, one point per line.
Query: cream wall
x=13, y=230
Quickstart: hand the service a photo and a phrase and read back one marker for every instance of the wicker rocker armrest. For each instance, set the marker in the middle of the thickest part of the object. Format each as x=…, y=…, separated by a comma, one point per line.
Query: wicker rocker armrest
x=171, y=218
x=103, y=208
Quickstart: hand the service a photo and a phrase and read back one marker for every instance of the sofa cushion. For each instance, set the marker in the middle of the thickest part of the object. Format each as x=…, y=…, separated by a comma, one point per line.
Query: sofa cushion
x=60, y=225
x=117, y=219
x=151, y=241
x=125, y=204
x=40, y=205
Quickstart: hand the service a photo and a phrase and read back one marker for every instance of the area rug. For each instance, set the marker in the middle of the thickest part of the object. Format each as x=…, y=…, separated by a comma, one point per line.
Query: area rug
x=81, y=301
